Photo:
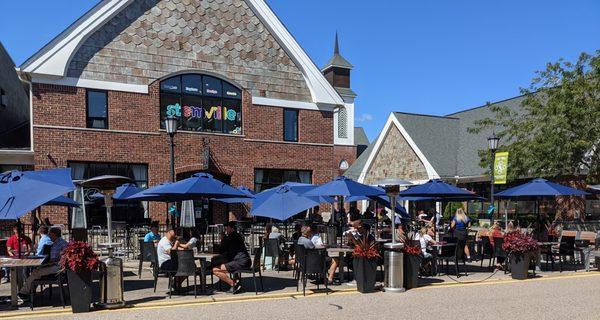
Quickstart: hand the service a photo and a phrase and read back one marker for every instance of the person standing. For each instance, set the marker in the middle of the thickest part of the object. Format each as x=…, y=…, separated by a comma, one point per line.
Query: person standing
x=460, y=225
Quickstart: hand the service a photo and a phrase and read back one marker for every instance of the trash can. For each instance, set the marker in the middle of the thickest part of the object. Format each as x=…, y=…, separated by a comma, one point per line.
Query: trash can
x=393, y=268
x=111, y=283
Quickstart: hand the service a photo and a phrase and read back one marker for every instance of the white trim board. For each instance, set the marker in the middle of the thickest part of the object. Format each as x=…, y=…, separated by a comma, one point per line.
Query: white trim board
x=92, y=84
x=53, y=59
x=392, y=120
x=262, y=101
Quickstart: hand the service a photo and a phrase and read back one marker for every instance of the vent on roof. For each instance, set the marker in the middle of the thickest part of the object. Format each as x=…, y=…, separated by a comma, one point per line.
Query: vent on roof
x=342, y=123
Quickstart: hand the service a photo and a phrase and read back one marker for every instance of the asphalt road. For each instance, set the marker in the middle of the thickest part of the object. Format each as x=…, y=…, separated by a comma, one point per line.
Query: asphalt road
x=575, y=297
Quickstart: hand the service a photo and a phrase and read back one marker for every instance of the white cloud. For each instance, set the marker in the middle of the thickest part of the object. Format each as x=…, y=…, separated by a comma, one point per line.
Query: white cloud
x=365, y=117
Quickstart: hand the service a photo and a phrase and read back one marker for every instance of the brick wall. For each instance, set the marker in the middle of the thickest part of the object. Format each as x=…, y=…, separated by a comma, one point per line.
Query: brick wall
x=261, y=146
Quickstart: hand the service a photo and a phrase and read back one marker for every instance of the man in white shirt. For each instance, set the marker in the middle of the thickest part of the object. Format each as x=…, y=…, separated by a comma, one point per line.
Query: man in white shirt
x=163, y=250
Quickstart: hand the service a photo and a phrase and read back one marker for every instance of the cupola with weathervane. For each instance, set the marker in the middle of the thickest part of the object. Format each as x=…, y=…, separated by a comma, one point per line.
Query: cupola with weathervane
x=337, y=72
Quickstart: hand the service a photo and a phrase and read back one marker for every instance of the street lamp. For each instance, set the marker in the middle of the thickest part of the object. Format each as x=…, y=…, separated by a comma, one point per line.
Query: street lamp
x=492, y=146
x=171, y=123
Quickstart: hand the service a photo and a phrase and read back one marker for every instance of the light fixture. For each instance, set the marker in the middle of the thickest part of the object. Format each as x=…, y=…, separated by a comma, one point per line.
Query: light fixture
x=493, y=142
x=171, y=123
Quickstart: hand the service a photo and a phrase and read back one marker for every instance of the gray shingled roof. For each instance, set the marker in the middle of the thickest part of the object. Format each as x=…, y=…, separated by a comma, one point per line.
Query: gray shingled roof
x=360, y=137
x=436, y=137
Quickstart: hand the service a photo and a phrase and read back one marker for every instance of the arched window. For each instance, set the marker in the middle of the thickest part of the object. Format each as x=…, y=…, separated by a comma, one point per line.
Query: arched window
x=342, y=123
x=202, y=103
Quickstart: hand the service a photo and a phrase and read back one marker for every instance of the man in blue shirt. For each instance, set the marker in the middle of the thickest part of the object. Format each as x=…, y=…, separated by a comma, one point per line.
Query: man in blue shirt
x=153, y=235
x=58, y=245
x=44, y=240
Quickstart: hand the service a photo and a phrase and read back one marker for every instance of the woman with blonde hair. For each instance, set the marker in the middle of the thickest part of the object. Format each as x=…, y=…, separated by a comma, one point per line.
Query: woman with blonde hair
x=460, y=225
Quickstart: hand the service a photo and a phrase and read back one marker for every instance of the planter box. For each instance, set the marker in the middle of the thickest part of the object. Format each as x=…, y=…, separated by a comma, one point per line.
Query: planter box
x=80, y=291
x=364, y=272
x=519, y=266
x=412, y=264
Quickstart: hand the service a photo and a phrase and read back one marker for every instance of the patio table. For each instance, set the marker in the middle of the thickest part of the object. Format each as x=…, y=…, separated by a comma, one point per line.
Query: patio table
x=438, y=248
x=16, y=265
x=340, y=252
x=203, y=257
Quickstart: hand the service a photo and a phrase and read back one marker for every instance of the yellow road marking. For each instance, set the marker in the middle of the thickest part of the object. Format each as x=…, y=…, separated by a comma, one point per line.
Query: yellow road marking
x=281, y=296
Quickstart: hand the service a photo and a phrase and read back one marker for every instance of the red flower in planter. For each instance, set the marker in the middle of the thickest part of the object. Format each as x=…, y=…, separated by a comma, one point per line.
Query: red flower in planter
x=79, y=257
x=517, y=242
x=412, y=250
x=366, y=248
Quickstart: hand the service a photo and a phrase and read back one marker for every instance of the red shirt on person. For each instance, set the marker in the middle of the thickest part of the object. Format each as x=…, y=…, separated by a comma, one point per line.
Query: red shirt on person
x=495, y=234
x=12, y=243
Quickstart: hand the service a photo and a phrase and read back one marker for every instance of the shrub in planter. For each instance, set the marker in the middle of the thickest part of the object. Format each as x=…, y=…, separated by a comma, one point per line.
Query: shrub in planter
x=412, y=264
x=519, y=247
x=79, y=260
x=365, y=255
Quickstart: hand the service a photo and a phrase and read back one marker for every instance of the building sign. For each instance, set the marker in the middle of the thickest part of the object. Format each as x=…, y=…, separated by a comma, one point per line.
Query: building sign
x=202, y=103
x=500, y=167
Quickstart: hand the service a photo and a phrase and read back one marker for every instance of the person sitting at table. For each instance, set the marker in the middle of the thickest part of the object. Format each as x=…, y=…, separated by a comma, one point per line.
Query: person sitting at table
x=297, y=232
x=58, y=245
x=268, y=230
x=192, y=239
x=234, y=250
x=425, y=237
x=12, y=244
x=44, y=240
x=315, y=216
x=368, y=214
x=496, y=232
x=153, y=235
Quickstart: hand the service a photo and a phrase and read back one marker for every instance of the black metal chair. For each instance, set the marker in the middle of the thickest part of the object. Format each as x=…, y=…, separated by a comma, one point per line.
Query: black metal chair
x=499, y=252
x=449, y=253
x=299, y=252
x=567, y=248
x=186, y=267
x=486, y=250
x=146, y=249
x=58, y=279
x=156, y=271
x=313, y=262
x=273, y=250
x=254, y=268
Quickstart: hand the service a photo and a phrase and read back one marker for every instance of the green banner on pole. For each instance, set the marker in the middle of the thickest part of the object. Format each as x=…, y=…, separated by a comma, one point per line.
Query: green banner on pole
x=500, y=167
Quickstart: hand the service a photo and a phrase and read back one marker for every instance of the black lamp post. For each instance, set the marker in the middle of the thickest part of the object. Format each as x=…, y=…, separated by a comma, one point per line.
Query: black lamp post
x=171, y=123
x=492, y=146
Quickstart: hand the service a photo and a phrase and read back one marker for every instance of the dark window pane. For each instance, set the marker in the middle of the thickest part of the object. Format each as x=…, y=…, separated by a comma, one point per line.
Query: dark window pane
x=171, y=85
x=290, y=125
x=211, y=86
x=169, y=106
x=213, y=120
x=192, y=113
x=191, y=84
x=97, y=109
x=231, y=92
x=232, y=116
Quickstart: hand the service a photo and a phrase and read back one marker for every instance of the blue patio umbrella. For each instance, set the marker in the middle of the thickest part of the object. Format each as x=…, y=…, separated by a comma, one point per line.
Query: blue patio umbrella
x=283, y=202
x=437, y=189
x=23, y=191
x=63, y=202
x=199, y=186
x=536, y=189
x=540, y=188
x=126, y=190
x=248, y=199
x=344, y=187
x=151, y=195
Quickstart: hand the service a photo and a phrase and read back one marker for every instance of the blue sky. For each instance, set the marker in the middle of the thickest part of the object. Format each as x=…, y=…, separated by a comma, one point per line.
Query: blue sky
x=432, y=57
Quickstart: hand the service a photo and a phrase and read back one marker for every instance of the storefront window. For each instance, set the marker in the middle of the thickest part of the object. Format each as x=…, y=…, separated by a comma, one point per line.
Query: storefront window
x=95, y=210
x=202, y=103
x=97, y=109
x=269, y=178
x=290, y=125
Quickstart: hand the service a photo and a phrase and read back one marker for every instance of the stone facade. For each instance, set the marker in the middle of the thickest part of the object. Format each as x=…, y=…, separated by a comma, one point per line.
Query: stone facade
x=151, y=39
x=395, y=159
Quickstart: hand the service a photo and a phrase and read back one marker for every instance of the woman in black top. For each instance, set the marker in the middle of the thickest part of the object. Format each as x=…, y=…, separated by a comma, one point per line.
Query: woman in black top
x=234, y=250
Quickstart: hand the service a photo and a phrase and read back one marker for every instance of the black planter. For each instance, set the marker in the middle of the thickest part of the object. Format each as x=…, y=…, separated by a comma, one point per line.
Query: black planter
x=80, y=291
x=519, y=266
x=364, y=272
x=412, y=264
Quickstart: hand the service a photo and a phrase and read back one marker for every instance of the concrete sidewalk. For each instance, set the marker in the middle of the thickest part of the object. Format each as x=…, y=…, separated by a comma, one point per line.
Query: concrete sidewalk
x=139, y=292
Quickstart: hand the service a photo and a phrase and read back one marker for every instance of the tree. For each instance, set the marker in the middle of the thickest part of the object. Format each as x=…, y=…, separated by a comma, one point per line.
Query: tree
x=557, y=130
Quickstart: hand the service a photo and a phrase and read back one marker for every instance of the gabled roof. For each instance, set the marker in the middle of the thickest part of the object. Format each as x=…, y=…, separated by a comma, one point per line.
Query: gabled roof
x=436, y=137
x=360, y=137
x=53, y=59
